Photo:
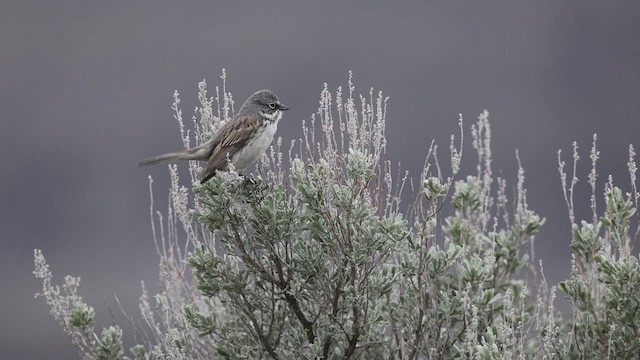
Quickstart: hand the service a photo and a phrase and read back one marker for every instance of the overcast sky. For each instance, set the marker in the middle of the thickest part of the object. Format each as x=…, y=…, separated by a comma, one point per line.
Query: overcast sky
x=87, y=86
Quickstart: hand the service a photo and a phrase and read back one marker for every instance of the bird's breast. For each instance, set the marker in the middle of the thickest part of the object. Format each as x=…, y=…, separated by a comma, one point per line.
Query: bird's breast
x=255, y=146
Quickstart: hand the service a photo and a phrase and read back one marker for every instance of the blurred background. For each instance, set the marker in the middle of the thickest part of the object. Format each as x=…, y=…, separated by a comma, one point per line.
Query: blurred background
x=87, y=87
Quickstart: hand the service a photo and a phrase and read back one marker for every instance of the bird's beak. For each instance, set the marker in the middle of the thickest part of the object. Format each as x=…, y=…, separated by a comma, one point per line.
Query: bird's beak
x=282, y=106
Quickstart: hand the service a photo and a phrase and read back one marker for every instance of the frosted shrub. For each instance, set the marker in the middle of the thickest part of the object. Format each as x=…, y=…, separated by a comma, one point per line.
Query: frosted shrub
x=316, y=256
x=604, y=284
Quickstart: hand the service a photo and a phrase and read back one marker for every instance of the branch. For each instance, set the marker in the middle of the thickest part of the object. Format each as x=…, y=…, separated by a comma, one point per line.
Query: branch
x=263, y=339
x=291, y=300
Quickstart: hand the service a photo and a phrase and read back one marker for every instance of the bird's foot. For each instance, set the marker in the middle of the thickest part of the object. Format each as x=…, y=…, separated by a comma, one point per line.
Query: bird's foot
x=248, y=180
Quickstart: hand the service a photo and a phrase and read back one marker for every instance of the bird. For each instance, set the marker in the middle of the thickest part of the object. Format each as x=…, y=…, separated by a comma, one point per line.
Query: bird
x=241, y=141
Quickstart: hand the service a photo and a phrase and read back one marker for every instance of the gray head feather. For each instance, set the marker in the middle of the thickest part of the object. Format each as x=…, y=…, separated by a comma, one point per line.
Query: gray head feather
x=262, y=101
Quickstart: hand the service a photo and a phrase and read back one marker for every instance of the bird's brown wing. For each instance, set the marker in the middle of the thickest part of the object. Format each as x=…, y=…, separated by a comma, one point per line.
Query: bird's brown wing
x=231, y=138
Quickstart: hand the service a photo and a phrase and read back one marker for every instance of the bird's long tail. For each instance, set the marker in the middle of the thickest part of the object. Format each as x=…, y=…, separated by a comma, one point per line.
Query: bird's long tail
x=165, y=157
x=201, y=152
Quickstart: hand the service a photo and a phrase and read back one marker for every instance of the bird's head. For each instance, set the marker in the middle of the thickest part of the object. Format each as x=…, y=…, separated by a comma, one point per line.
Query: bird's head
x=266, y=103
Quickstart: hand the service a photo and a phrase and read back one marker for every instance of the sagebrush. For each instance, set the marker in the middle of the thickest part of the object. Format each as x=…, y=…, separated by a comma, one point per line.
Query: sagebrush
x=327, y=251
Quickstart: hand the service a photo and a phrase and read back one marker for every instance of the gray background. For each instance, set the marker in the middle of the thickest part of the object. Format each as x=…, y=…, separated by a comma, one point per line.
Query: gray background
x=86, y=91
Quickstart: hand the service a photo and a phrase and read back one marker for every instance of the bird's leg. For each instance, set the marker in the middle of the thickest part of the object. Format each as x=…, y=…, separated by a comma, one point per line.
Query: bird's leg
x=248, y=180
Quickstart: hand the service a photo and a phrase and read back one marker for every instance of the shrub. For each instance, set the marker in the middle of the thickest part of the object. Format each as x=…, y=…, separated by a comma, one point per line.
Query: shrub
x=316, y=255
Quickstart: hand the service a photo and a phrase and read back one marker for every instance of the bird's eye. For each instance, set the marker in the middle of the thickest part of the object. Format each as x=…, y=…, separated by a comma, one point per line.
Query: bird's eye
x=272, y=106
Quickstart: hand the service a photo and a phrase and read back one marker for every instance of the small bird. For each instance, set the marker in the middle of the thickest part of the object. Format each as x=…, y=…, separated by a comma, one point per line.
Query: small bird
x=241, y=141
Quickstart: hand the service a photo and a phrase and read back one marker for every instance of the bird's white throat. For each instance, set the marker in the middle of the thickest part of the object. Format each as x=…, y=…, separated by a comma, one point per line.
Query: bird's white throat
x=275, y=117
